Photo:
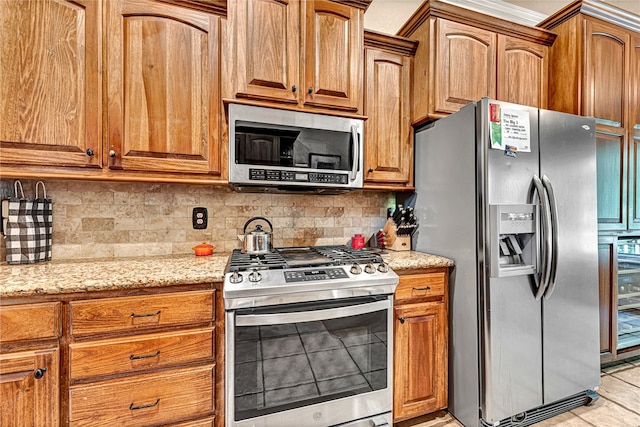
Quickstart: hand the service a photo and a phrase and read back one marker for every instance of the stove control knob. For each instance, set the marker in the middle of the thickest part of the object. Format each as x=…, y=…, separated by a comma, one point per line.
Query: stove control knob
x=383, y=267
x=235, y=277
x=355, y=269
x=369, y=269
x=254, y=276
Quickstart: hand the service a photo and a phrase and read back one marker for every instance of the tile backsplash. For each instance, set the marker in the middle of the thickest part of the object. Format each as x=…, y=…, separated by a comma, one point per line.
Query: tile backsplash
x=106, y=219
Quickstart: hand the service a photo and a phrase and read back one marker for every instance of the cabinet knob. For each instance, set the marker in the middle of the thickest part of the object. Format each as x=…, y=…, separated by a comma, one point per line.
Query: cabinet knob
x=39, y=373
x=294, y=88
x=370, y=170
x=90, y=152
x=401, y=319
x=310, y=90
x=112, y=154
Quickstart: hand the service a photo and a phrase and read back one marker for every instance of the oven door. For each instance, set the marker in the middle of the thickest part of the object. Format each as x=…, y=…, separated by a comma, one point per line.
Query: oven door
x=310, y=364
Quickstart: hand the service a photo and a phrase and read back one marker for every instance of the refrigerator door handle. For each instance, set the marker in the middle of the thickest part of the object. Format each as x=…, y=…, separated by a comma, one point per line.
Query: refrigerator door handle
x=546, y=237
x=553, y=208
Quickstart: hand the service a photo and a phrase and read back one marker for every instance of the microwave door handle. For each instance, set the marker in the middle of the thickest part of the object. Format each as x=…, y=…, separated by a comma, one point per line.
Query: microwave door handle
x=310, y=316
x=356, y=152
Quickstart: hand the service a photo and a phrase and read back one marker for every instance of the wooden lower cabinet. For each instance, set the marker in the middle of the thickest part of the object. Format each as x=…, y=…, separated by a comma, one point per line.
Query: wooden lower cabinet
x=144, y=399
x=29, y=388
x=420, y=344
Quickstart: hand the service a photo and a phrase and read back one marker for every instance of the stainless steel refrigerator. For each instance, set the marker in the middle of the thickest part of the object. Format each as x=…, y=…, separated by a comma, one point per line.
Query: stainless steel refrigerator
x=509, y=193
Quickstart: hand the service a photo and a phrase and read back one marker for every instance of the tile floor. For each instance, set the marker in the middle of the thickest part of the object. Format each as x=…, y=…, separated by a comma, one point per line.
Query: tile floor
x=618, y=406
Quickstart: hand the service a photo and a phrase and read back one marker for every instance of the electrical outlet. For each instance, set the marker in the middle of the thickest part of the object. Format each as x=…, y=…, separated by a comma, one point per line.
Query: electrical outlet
x=199, y=218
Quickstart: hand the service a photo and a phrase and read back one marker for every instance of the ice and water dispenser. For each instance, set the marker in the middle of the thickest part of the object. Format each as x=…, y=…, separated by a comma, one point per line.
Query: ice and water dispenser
x=513, y=250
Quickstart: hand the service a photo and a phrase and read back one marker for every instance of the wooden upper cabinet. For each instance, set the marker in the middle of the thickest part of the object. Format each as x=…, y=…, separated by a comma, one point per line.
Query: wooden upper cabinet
x=607, y=51
x=301, y=53
x=465, y=65
x=634, y=138
x=333, y=55
x=522, y=72
x=466, y=55
x=162, y=88
x=268, y=46
x=50, y=83
x=388, y=132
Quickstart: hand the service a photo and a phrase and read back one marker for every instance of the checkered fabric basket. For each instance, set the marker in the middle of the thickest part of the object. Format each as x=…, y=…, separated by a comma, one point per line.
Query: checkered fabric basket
x=28, y=227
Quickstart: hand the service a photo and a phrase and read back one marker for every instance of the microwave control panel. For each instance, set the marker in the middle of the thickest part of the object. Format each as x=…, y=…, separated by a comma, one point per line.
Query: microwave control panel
x=291, y=176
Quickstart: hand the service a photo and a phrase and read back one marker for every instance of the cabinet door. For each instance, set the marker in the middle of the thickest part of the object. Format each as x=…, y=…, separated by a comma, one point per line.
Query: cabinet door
x=50, y=83
x=465, y=65
x=611, y=166
x=333, y=55
x=267, y=49
x=522, y=72
x=607, y=266
x=634, y=139
x=606, y=73
x=388, y=135
x=29, y=388
x=420, y=359
x=163, y=88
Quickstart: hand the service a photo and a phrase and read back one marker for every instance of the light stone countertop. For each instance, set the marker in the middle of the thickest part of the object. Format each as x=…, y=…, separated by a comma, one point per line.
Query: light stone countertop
x=62, y=277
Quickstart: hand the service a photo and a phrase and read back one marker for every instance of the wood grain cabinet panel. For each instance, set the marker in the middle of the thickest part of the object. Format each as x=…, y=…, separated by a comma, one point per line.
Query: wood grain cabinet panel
x=135, y=354
x=268, y=49
x=162, y=88
x=50, y=83
x=29, y=386
x=147, y=399
x=420, y=344
x=522, y=72
x=388, y=133
x=29, y=322
x=420, y=384
x=465, y=65
x=134, y=313
x=299, y=53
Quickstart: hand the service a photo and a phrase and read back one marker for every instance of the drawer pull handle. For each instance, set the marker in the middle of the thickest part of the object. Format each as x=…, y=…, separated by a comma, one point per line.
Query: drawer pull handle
x=426, y=288
x=39, y=373
x=150, y=405
x=146, y=356
x=133, y=315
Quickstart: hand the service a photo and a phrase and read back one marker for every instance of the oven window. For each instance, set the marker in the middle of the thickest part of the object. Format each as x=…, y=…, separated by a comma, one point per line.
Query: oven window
x=285, y=366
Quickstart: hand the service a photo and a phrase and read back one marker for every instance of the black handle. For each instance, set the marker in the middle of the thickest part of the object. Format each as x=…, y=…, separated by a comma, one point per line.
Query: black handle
x=133, y=315
x=426, y=288
x=39, y=373
x=150, y=405
x=401, y=319
x=294, y=88
x=310, y=90
x=146, y=356
x=89, y=152
x=255, y=218
x=370, y=170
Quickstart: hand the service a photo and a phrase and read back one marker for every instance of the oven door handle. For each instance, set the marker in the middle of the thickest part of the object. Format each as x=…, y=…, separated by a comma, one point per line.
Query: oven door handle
x=310, y=316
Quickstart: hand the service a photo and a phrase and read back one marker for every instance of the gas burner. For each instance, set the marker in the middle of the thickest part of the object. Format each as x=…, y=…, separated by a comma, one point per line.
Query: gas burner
x=244, y=261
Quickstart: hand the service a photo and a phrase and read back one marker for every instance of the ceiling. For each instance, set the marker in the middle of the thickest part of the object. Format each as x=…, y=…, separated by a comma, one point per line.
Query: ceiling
x=387, y=16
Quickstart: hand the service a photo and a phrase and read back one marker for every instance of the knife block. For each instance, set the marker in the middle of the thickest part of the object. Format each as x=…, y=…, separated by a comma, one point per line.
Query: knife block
x=395, y=242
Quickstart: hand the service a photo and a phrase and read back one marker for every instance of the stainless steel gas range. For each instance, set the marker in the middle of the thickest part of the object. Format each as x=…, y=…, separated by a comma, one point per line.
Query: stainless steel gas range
x=309, y=338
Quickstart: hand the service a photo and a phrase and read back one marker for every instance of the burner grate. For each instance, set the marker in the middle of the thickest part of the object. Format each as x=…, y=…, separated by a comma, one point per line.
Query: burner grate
x=244, y=261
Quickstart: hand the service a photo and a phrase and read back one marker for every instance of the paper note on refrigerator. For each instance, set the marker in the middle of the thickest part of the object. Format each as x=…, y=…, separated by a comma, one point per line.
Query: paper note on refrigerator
x=509, y=129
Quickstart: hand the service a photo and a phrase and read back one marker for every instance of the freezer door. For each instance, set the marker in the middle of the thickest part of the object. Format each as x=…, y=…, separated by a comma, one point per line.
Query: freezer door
x=571, y=361
x=511, y=344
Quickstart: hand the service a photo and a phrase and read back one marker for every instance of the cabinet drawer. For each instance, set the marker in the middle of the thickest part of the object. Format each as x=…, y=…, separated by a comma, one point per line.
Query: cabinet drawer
x=134, y=354
x=420, y=286
x=148, y=399
x=131, y=313
x=29, y=321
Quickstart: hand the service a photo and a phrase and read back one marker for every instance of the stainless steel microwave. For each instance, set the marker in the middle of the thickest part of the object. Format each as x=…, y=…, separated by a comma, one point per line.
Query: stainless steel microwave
x=294, y=150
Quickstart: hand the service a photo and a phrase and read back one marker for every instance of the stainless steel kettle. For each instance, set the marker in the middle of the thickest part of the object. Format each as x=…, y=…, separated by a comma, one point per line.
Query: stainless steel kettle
x=257, y=241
